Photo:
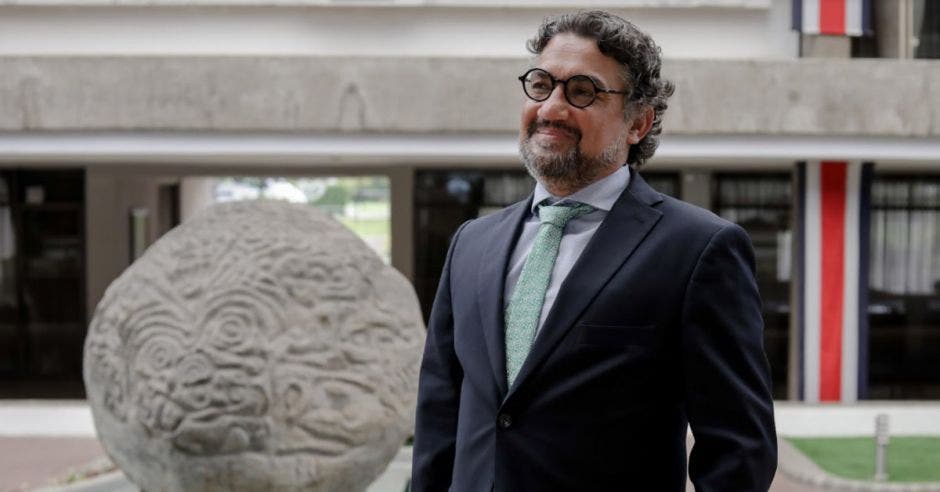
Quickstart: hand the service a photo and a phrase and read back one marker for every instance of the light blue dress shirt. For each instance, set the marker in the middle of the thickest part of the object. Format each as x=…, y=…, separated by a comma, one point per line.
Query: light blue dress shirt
x=601, y=195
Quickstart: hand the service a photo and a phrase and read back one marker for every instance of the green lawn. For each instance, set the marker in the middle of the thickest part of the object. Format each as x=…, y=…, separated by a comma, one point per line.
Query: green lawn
x=910, y=459
x=371, y=208
x=367, y=227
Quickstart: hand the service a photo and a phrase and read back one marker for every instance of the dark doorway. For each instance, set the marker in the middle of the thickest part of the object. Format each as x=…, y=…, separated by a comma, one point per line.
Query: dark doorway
x=42, y=268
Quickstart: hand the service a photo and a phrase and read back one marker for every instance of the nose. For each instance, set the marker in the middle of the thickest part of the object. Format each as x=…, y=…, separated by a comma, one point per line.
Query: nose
x=556, y=107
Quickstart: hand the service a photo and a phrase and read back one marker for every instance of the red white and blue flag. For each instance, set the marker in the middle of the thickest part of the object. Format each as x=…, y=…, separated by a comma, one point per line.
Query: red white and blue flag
x=833, y=17
x=833, y=279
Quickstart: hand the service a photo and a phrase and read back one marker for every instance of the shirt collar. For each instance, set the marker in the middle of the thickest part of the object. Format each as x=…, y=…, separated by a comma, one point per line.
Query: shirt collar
x=601, y=194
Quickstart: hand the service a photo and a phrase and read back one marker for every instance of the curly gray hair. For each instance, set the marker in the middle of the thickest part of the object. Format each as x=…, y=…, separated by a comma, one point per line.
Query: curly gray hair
x=639, y=56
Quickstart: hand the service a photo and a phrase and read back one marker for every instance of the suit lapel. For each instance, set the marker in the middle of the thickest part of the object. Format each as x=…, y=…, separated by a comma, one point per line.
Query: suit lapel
x=491, y=282
x=626, y=225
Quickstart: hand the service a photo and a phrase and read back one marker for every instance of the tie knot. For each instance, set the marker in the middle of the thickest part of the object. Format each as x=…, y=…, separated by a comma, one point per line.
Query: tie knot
x=559, y=215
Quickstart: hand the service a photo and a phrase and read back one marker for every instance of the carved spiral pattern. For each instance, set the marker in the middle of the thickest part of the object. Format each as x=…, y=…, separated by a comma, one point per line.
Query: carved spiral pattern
x=255, y=330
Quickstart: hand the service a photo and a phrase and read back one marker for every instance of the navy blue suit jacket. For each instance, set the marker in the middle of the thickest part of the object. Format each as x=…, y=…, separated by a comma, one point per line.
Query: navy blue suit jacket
x=657, y=326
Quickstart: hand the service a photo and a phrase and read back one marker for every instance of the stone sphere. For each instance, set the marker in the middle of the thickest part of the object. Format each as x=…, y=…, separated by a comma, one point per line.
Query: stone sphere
x=259, y=346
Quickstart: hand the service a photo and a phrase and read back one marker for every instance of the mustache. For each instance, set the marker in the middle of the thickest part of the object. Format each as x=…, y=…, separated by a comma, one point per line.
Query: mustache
x=535, y=125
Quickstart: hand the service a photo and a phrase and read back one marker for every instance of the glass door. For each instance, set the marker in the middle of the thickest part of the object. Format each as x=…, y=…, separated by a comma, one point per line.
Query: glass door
x=10, y=350
x=42, y=299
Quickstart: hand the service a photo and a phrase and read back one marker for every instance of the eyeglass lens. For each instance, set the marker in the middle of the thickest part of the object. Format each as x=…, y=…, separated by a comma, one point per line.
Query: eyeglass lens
x=579, y=90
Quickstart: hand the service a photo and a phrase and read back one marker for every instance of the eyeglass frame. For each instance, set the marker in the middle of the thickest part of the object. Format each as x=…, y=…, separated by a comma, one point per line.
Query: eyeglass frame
x=564, y=82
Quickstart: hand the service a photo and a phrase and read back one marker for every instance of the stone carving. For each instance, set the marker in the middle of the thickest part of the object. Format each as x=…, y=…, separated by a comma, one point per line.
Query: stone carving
x=258, y=346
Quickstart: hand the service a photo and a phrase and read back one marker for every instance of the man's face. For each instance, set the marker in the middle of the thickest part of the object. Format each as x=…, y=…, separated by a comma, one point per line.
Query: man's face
x=565, y=144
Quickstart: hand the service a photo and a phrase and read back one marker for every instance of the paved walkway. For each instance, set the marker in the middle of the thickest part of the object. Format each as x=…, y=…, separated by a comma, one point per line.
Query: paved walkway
x=42, y=444
x=30, y=462
x=782, y=483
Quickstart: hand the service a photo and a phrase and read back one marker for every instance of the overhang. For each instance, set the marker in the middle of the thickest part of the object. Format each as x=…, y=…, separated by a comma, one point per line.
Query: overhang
x=888, y=98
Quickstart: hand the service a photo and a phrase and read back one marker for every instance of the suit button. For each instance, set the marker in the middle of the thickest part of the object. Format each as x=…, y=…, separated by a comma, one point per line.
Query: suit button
x=505, y=420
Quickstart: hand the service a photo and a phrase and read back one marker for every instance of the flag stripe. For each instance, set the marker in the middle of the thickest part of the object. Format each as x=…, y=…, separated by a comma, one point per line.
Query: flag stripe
x=853, y=17
x=831, y=315
x=832, y=221
x=810, y=16
x=811, y=283
x=832, y=16
x=850, y=312
x=797, y=15
x=866, y=17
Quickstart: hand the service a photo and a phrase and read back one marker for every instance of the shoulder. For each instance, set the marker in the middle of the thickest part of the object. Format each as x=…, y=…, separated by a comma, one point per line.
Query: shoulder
x=694, y=233
x=711, y=242
x=678, y=219
x=694, y=219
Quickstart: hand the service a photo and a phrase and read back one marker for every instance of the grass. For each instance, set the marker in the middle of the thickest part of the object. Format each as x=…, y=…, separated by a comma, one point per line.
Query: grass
x=910, y=459
x=367, y=227
x=376, y=233
x=370, y=208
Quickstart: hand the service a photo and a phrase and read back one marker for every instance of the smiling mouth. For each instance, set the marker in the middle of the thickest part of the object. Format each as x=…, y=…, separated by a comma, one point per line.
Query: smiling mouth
x=553, y=130
x=554, y=133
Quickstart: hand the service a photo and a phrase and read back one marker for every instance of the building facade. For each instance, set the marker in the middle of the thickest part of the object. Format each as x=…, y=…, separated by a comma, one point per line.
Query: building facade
x=119, y=117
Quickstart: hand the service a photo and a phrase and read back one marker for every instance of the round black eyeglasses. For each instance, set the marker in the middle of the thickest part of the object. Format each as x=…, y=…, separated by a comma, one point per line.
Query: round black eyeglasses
x=580, y=90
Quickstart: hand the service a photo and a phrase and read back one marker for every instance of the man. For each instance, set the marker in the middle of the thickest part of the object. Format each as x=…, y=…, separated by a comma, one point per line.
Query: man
x=575, y=335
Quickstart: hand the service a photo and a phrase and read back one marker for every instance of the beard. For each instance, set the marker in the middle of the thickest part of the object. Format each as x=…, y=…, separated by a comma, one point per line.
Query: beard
x=569, y=169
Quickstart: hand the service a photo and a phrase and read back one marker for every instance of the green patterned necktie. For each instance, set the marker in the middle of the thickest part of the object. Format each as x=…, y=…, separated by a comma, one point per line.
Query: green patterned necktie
x=525, y=305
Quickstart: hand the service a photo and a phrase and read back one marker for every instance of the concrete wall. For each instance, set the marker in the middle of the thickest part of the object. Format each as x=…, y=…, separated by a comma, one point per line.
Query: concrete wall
x=473, y=28
x=854, y=97
x=754, y=4
x=110, y=194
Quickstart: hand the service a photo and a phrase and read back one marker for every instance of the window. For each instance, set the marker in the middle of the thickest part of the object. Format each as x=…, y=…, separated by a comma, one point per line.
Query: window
x=926, y=39
x=42, y=283
x=444, y=200
x=9, y=295
x=761, y=203
x=904, y=288
x=903, y=29
x=361, y=203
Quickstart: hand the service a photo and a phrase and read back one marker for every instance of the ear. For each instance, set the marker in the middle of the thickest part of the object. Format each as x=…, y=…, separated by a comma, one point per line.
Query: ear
x=639, y=125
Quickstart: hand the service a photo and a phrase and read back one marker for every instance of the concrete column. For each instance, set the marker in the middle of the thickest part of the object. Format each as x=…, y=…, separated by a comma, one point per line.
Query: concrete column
x=102, y=236
x=697, y=188
x=888, y=17
x=895, y=26
x=196, y=193
x=401, y=182
x=110, y=195
x=826, y=46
